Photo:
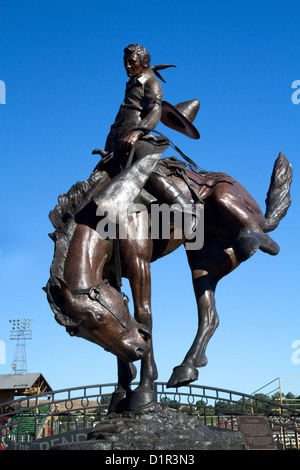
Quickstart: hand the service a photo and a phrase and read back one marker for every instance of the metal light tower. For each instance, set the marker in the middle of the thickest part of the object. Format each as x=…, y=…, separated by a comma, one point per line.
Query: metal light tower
x=20, y=332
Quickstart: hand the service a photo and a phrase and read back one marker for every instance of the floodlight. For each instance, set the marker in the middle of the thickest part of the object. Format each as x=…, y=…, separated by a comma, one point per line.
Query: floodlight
x=20, y=332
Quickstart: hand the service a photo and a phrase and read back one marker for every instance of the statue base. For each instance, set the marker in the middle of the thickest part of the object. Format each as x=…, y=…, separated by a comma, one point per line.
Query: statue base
x=152, y=428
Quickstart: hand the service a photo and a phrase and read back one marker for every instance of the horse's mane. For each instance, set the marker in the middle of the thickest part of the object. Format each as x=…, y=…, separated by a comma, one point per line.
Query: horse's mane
x=72, y=201
x=62, y=218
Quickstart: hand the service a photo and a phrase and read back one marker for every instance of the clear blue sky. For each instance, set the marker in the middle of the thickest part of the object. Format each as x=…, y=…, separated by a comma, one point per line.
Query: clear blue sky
x=61, y=62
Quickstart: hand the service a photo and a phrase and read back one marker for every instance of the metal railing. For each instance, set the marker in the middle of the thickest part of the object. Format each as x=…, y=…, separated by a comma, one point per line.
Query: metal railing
x=63, y=411
x=278, y=386
x=31, y=419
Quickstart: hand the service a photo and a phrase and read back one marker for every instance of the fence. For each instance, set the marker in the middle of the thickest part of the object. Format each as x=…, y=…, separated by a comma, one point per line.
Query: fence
x=40, y=419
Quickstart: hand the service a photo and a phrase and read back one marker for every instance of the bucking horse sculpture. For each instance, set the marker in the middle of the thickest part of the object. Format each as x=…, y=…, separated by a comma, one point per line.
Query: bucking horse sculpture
x=84, y=292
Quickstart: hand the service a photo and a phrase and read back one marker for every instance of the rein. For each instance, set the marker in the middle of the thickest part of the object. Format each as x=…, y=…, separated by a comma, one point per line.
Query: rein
x=192, y=165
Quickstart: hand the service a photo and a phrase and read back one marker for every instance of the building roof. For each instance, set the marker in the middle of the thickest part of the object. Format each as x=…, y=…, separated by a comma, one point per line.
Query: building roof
x=22, y=382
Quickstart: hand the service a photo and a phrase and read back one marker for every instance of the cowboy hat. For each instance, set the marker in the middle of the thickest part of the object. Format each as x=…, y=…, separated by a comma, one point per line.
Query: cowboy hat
x=181, y=116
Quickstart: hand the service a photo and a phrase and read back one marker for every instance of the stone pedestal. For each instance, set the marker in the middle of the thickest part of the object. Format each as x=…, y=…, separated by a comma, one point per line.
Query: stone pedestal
x=155, y=429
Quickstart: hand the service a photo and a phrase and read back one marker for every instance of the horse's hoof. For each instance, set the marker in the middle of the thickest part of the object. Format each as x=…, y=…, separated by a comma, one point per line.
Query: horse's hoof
x=269, y=246
x=137, y=399
x=182, y=375
x=117, y=403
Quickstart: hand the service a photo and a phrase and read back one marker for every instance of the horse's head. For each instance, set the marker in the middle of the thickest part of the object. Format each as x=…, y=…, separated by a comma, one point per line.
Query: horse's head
x=102, y=317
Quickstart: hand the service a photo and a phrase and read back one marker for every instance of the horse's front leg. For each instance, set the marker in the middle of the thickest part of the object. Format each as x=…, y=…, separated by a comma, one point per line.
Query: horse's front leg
x=136, y=252
x=140, y=282
x=126, y=373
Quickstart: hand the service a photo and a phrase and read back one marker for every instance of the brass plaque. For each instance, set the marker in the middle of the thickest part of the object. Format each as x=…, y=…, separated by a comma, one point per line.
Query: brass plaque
x=256, y=432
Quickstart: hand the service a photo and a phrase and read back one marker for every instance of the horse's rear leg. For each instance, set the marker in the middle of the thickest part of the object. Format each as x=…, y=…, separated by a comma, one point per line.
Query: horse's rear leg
x=208, y=321
x=244, y=220
x=250, y=240
x=208, y=266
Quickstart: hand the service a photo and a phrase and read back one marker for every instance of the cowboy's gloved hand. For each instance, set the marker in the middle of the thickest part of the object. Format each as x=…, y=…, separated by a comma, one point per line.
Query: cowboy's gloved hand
x=130, y=139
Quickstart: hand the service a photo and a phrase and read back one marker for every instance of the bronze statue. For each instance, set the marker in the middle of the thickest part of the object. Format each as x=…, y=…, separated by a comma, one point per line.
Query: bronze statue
x=84, y=289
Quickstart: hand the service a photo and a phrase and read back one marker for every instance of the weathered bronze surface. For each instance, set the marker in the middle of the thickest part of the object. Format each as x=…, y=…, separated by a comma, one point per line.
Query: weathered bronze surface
x=84, y=289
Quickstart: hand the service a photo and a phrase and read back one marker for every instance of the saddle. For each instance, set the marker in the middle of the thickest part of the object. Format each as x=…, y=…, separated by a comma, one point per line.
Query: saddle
x=171, y=166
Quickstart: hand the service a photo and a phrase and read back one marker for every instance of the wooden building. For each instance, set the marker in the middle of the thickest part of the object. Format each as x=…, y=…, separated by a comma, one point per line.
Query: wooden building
x=13, y=385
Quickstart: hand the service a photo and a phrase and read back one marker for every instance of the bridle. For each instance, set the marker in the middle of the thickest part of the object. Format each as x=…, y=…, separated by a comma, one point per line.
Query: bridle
x=94, y=293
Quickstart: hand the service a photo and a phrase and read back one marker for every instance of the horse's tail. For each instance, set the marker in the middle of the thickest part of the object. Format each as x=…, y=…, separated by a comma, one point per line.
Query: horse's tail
x=278, y=197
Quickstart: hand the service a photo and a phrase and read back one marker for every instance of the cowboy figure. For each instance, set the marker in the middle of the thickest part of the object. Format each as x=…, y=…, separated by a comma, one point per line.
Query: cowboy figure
x=140, y=112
